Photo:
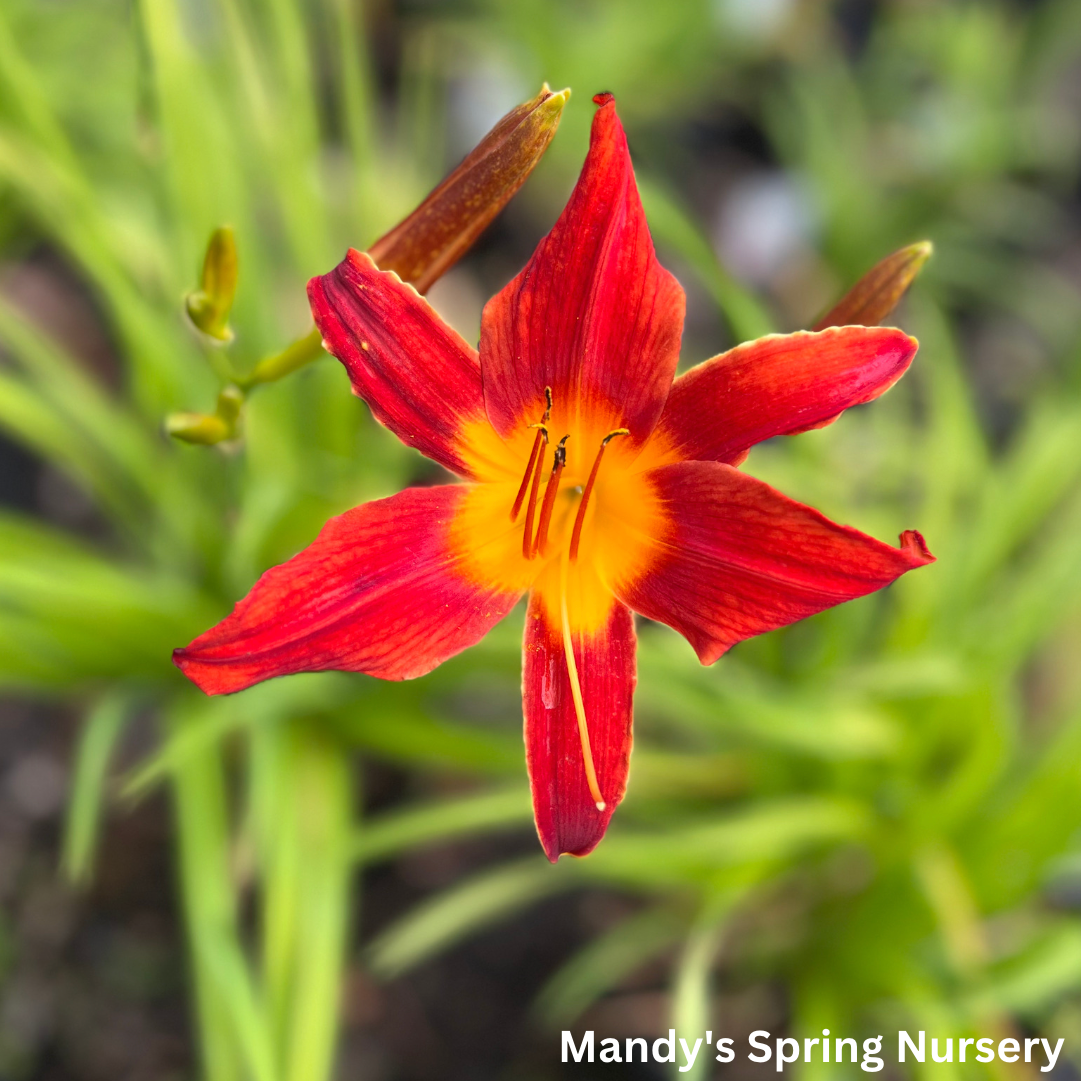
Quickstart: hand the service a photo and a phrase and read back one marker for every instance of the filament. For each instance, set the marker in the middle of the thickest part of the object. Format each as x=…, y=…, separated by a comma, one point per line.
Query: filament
x=538, y=439
x=576, y=690
x=528, y=474
x=531, y=506
x=550, y=494
x=580, y=517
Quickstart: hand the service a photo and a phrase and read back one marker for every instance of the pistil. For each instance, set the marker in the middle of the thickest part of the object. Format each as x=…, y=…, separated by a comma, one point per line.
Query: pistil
x=580, y=517
x=576, y=691
x=550, y=494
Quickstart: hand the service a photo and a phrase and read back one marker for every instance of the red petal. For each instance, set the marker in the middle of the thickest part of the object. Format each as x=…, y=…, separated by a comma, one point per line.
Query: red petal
x=377, y=592
x=741, y=559
x=780, y=385
x=566, y=815
x=418, y=376
x=593, y=315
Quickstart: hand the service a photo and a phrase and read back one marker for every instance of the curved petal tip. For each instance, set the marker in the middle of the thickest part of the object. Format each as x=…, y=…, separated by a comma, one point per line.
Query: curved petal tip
x=913, y=544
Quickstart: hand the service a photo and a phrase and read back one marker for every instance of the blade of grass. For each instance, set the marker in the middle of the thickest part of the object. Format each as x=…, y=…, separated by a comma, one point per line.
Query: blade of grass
x=609, y=958
x=323, y=806
x=98, y=737
x=691, y=997
x=671, y=226
x=234, y=1037
x=388, y=834
x=473, y=904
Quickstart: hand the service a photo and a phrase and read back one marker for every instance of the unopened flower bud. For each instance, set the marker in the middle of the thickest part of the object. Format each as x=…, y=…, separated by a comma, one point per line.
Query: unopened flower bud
x=204, y=428
x=879, y=291
x=209, y=306
x=440, y=231
x=209, y=428
x=229, y=402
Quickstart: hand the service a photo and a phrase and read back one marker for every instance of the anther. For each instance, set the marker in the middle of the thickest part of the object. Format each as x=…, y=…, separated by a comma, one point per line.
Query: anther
x=550, y=494
x=580, y=517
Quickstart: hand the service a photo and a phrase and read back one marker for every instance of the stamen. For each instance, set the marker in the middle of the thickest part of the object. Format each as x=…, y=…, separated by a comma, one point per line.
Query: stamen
x=528, y=474
x=541, y=427
x=531, y=506
x=576, y=691
x=550, y=494
x=580, y=517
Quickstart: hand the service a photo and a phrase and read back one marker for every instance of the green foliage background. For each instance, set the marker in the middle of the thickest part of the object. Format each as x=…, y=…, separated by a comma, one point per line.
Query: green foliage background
x=874, y=808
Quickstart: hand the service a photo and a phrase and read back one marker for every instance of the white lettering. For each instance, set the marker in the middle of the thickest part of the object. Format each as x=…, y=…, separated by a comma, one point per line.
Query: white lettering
x=986, y=1053
x=670, y=1042
x=948, y=1056
x=1051, y=1058
x=918, y=1053
x=839, y=1049
x=689, y=1055
x=782, y=1057
x=871, y=1048
x=759, y=1045
x=1009, y=1050
x=610, y=1053
x=578, y=1052
x=724, y=1050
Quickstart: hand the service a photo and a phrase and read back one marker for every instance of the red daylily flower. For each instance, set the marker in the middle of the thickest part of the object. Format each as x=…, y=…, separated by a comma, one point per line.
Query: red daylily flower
x=591, y=481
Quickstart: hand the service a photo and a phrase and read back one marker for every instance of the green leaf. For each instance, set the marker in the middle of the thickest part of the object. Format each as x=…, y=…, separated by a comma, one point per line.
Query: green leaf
x=235, y=1036
x=474, y=904
x=726, y=848
x=388, y=834
x=100, y=732
x=609, y=958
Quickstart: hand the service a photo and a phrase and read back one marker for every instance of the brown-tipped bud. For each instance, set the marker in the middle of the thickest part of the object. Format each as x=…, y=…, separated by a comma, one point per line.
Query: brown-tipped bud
x=879, y=291
x=443, y=228
x=209, y=306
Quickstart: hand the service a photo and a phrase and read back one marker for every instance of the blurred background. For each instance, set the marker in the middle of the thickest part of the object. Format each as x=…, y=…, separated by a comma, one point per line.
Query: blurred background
x=868, y=821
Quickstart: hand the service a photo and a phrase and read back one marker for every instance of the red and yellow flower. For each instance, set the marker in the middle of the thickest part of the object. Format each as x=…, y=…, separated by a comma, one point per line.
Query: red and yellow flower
x=591, y=480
